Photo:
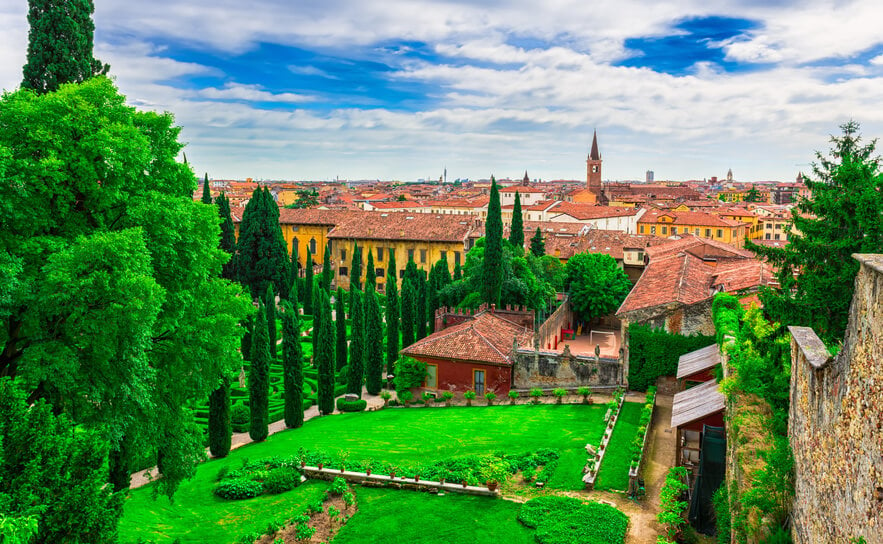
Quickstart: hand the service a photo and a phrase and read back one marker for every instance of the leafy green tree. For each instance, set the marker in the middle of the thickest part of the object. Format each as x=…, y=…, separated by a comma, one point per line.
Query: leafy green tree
x=326, y=270
x=816, y=271
x=259, y=379
x=411, y=373
x=324, y=354
x=356, y=268
x=270, y=305
x=220, y=428
x=420, y=308
x=538, y=244
x=392, y=314
x=206, y=191
x=356, y=366
x=516, y=230
x=439, y=278
x=753, y=195
x=409, y=308
x=370, y=274
x=53, y=473
x=373, y=343
x=308, y=284
x=262, y=254
x=228, y=236
x=306, y=198
x=60, y=44
x=596, y=285
x=117, y=315
x=458, y=272
x=292, y=364
x=340, y=323
x=492, y=274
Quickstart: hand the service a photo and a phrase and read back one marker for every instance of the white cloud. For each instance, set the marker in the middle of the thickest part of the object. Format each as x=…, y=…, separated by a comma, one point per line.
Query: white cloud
x=251, y=93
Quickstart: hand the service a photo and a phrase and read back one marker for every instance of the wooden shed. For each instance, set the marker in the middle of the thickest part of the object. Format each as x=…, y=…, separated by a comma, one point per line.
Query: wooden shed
x=691, y=410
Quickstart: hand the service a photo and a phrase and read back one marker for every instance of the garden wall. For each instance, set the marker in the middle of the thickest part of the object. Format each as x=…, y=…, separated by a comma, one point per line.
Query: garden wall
x=836, y=422
x=546, y=369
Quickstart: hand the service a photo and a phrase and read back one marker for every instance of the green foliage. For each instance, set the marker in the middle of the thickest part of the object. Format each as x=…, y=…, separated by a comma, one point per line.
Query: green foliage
x=344, y=405
x=292, y=364
x=392, y=314
x=306, y=198
x=373, y=343
x=270, y=306
x=340, y=324
x=60, y=45
x=538, y=244
x=259, y=380
x=469, y=395
x=261, y=252
x=516, y=229
x=753, y=195
x=439, y=278
x=816, y=271
x=772, y=490
x=721, y=502
x=655, y=352
x=308, y=284
x=271, y=476
x=236, y=489
x=327, y=274
x=338, y=487
x=324, y=356
x=671, y=507
x=356, y=366
x=409, y=309
x=356, y=268
x=536, y=392
x=596, y=285
x=492, y=266
x=228, y=236
x=420, y=308
x=240, y=414
x=281, y=479
x=410, y=373
x=220, y=428
x=563, y=520
x=559, y=392
x=370, y=273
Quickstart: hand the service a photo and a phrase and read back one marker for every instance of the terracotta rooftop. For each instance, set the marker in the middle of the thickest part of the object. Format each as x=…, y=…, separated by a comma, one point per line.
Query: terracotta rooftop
x=702, y=219
x=587, y=212
x=487, y=338
x=403, y=226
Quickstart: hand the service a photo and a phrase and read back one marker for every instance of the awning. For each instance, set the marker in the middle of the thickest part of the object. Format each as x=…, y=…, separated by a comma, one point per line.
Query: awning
x=698, y=361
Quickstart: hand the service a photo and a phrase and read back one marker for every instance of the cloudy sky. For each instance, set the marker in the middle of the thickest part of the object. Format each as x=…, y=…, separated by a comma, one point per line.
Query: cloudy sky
x=401, y=89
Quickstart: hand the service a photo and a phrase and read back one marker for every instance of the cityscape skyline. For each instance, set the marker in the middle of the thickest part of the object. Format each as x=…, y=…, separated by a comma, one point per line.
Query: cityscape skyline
x=405, y=90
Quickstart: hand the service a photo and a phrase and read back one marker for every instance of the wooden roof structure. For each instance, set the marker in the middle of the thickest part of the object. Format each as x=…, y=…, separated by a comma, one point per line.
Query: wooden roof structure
x=696, y=403
x=698, y=361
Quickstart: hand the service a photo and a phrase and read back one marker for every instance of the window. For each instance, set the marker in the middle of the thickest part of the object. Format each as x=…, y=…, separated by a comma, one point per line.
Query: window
x=342, y=271
x=674, y=230
x=410, y=254
x=776, y=236
x=401, y=274
x=653, y=229
x=767, y=236
x=642, y=229
x=664, y=230
x=380, y=254
x=769, y=225
x=456, y=258
x=295, y=245
x=478, y=381
x=313, y=246
x=708, y=233
x=343, y=255
x=431, y=376
x=422, y=255
x=444, y=255
x=379, y=272
x=720, y=233
x=696, y=231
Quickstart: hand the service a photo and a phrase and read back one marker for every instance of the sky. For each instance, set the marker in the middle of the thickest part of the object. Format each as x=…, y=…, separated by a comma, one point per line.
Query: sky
x=404, y=89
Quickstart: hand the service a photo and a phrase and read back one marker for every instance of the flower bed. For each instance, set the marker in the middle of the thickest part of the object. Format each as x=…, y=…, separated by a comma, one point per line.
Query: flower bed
x=639, y=446
x=594, y=464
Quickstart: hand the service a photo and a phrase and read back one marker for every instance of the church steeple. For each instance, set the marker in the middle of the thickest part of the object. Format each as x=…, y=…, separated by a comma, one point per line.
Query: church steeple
x=593, y=168
x=526, y=179
x=594, y=155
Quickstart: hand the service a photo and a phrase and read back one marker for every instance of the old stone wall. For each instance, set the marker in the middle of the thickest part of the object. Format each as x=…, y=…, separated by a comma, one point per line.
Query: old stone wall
x=546, y=369
x=549, y=331
x=836, y=423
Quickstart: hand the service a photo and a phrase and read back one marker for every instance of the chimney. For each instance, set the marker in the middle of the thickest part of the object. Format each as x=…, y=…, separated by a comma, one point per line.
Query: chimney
x=493, y=307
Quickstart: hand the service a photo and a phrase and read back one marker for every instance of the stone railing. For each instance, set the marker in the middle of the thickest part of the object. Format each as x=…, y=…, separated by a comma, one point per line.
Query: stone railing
x=363, y=478
x=634, y=470
x=594, y=464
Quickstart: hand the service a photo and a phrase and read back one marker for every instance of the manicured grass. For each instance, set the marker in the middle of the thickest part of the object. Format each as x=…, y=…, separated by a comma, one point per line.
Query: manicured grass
x=403, y=436
x=408, y=517
x=614, y=473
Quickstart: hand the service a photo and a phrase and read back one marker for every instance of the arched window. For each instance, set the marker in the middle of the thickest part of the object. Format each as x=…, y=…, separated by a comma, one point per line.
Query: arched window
x=313, y=246
x=295, y=246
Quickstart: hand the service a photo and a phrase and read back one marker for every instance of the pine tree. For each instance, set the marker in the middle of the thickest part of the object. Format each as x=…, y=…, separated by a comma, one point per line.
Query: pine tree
x=373, y=343
x=60, y=44
x=356, y=366
x=308, y=284
x=538, y=244
x=259, y=379
x=228, y=235
x=324, y=356
x=492, y=273
x=292, y=364
x=370, y=274
x=420, y=308
x=409, y=306
x=270, y=305
x=220, y=428
x=356, y=268
x=516, y=230
x=340, y=323
x=392, y=314
x=262, y=253
x=458, y=272
x=206, y=191
x=326, y=269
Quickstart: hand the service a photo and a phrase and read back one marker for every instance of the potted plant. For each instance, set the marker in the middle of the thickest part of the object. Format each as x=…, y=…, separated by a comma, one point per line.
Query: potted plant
x=512, y=396
x=493, y=473
x=535, y=394
x=427, y=396
x=585, y=392
x=385, y=395
x=448, y=395
x=392, y=473
x=464, y=484
x=406, y=397
x=559, y=394
x=469, y=395
x=490, y=396
x=320, y=465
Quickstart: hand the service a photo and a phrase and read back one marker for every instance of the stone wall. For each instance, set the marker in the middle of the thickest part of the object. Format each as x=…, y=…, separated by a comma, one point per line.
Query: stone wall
x=836, y=422
x=548, y=369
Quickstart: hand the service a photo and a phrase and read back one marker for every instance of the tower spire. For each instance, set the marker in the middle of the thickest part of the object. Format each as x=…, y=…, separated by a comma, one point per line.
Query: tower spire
x=594, y=155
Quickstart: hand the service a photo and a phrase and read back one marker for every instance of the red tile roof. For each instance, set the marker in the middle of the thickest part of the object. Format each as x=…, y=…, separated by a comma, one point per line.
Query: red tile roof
x=698, y=219
x=587, y=211
x=403, y=226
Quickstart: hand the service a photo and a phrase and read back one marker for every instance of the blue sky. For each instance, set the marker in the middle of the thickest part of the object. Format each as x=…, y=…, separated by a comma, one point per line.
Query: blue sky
x=401, y=89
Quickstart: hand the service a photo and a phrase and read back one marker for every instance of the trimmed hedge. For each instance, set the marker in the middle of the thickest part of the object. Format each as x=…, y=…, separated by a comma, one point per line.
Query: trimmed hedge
x=654, y=353
x=357, y=405
x=564, y=520
x=238, y=489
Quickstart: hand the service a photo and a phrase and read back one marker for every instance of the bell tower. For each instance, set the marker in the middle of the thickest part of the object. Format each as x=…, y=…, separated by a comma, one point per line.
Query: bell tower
x=593, y=167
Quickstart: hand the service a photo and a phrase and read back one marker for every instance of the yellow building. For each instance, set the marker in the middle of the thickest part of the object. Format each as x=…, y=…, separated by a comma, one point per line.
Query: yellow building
x=705, y=225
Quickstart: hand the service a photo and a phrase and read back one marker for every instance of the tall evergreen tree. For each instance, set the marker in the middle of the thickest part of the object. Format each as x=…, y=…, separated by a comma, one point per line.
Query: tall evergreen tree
x=308, y=284
x=370, y=273
x=356, y=365
x=516, y=230
x=392, y=314
x=324, y=356
x=326, y=269
x=373, y=343
x=206, y=191
x=245, y=342
x=220, y=428
x=340, y=323
x=292, y=364
x=458, y=272
x=420, y=310
x=270, y=305
x=60, y=44
x=262, y=254
x=259, y=379
x=439, y=278
x=228, y=235
x=492, y=273
x=409, y=306
x=538, y=244
x=356, y=268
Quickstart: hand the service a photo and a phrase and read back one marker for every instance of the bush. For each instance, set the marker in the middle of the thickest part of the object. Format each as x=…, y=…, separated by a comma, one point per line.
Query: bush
x=469, y=395
x=654, y=353
x=563, y=520
x=537, y=510
x=559, y=392
x=721, y=503
x=238, y=489
x=409, y=373
x=338, y=487
x=281, y=479
x=536, y=393
x=357, y=405
x=341, y=375
x=239, y=414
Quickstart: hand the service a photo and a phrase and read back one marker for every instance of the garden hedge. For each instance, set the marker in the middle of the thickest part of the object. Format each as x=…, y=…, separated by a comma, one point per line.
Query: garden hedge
x=654, y=353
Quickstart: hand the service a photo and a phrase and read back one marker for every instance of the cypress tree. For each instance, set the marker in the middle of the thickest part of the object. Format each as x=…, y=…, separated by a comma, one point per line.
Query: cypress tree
x=412, y=272
x=259, y=379
x=270, y=305
x=326, y=269
x=370, y=274
x=292, y=364
x=439, y=278
x=228, y=235
x=420, y=308
x=308, y=285
x=340, y=322
x=206, y=192
x=262, y=253
x=409, y=304
x=458, y=272
x=356, y=367
x=373, y=343
x=538, y=244
x=60, y=45
x=356, y=268
x=516, y=229
x=324, y=356
x=245, y=343
x=492, y=270
x=392, y=314
x=220, y=428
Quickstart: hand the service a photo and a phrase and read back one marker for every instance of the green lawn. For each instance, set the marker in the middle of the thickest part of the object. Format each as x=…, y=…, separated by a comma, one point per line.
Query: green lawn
x=408, y=436
x=408, y=517
x=614, y=473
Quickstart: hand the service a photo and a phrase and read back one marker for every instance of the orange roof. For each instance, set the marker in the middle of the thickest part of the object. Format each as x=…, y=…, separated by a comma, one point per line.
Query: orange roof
x=588, y=211
x=698, y=219
x=402, y=226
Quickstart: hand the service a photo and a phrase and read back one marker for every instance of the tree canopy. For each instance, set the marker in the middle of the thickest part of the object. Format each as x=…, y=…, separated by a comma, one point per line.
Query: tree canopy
x=538, y=244
x=491, y=284
x=516, y=229
x=261, y=252
x=596, y=284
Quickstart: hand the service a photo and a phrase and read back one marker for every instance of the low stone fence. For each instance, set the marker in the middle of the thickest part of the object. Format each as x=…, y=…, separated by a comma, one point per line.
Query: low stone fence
x=594, y=464
x=550, y=369
x=363, y=478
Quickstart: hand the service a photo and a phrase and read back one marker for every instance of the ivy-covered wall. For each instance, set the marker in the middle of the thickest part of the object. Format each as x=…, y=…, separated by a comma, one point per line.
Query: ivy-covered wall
x=655, y=352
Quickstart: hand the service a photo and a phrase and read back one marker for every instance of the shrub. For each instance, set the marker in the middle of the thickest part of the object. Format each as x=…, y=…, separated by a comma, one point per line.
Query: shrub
x=357, y=405
x=238, y=489
x=490, y=396
x=559, y=392
x=671, y=507
x=721, y=503
x=448, y=395
x=469, y=395
x=513, y=395
x=281, y=479
x=563, y=520
x=409, y=373
x=654, y=353
x=405, y=396
x=338, y=487
x=529, y=475
x=239, y=414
